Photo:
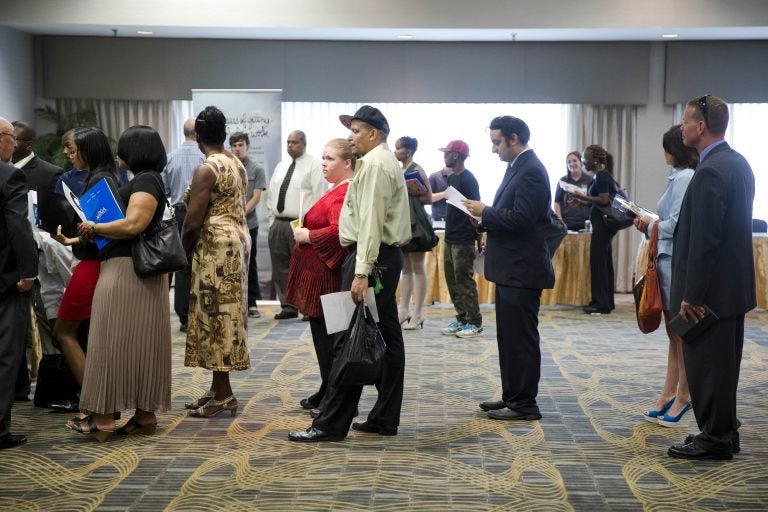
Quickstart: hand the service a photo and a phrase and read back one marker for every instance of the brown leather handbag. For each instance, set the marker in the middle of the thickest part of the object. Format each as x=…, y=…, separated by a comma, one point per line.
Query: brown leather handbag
x=648, y=304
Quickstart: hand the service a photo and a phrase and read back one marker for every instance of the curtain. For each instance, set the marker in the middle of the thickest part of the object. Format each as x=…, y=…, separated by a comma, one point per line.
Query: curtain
x=614, y=127
x=114, y=116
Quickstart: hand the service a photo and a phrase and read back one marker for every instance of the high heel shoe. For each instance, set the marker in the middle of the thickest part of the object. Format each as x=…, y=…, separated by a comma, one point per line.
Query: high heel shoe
x=78, y=419
x=652, y=415
x=134, y=427
x=404, y=319
x=214, y=407
x=674, y=421
x=414, y=323
x=200, y=401
x=93, y=429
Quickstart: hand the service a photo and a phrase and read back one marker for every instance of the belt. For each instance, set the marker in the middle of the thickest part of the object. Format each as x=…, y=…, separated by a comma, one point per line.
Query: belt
x=287, y=219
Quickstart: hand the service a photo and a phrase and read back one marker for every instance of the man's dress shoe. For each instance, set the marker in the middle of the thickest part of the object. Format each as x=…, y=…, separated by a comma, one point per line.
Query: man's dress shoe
x=491, y=405
x=284, y=315
x=12, y=441
x=306, y=404
x=371, y=428
x=510, y=414
x=691, y=451
x=64, y=406
x=735, y=441
x=312, y=435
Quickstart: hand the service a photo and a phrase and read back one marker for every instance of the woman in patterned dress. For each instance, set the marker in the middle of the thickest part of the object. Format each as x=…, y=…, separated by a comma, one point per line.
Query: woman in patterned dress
x=215, y=234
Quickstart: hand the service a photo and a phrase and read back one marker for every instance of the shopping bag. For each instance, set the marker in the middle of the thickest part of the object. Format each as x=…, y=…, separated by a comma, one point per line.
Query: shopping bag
x=361, y=357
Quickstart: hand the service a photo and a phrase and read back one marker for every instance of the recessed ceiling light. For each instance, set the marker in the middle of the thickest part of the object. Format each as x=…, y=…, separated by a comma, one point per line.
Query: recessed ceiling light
x=404, y=36
x=144, y=32
x=669, y=36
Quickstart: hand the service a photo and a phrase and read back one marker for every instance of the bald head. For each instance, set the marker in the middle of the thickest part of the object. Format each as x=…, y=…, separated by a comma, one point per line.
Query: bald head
x=189, y=129
x=7, y=140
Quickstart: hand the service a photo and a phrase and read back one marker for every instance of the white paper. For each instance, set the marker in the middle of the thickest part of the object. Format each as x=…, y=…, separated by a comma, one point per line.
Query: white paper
x=338, y=308
x=454, y=197
x=570, y=187
x=74, y=201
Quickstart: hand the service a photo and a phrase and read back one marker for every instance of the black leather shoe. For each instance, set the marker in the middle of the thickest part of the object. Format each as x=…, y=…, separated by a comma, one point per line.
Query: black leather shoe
x=306, y=404
x=64, y=406
x=370, y=428
x=284, y=315
x=491, y=405
x=735, y=442
x=312, y=435
x=691, y=451
x=593, y=310
x=12, y=441
x=510, y=414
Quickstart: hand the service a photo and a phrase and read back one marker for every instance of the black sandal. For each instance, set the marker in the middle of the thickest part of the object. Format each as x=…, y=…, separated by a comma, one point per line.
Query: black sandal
x=134, y=427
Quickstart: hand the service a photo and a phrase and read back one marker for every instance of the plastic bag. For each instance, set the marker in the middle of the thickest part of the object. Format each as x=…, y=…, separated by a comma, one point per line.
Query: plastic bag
x=360, y=359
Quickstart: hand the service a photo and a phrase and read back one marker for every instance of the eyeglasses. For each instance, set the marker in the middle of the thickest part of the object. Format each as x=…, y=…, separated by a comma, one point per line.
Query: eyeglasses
x=11, y=135
x=704, y=109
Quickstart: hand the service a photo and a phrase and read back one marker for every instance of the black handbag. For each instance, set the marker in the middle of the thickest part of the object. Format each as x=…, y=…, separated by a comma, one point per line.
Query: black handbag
x=360, y=358
x=614, y=218
x=423, y=237
x=55, y=381
x=159, y=250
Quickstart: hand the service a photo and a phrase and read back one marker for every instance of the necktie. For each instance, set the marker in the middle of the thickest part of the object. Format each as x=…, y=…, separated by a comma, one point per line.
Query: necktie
x=284, y=187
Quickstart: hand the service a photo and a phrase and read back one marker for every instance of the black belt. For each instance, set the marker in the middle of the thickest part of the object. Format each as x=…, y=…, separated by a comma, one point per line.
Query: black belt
x=287, y=219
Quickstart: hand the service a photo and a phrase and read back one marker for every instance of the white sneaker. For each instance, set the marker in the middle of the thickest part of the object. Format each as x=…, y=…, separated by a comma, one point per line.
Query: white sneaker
x=452, y=328
x=253, y=312
x=469, y=331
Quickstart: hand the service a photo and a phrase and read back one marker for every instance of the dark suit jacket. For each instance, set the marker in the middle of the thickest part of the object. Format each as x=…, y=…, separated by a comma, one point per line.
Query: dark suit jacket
x=41, y=175
x=18, y=252
x=516, y=251
x=712, y=260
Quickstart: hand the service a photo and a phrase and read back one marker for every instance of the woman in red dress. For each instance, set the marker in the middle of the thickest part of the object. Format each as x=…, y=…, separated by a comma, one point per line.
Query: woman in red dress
x=315, y=267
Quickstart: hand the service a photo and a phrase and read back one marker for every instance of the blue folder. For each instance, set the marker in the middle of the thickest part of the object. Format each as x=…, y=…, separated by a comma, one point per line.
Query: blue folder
x=101, y=204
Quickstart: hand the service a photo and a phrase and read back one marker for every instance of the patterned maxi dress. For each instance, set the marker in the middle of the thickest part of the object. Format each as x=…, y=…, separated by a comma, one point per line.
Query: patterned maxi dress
x=216, y=338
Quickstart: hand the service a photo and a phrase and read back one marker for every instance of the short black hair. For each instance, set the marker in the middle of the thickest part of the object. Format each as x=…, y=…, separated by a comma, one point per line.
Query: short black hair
x=509, y=125
x=30, y=132
x=142, y=149
x=238, y=136
x=93, y=146
x=409, y=143
x=211, y=126
x=683, y=157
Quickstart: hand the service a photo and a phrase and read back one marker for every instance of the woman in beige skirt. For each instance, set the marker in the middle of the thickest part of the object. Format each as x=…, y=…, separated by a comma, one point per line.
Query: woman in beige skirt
x=129, y=341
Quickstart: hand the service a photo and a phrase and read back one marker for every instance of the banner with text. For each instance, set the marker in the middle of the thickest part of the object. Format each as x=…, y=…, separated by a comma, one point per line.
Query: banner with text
x=256, y=112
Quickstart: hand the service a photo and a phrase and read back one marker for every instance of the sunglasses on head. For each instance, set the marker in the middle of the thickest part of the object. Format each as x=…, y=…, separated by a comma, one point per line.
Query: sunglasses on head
x=704, y=109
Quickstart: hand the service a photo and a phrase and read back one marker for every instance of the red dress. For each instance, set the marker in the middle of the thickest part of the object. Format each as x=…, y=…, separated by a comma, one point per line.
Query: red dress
x=315, y=268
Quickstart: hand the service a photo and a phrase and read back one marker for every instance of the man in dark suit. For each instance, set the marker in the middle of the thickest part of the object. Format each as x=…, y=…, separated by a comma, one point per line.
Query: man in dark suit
x=41, y=175
x=712, y=265
x=18, y=268
x=517, y=260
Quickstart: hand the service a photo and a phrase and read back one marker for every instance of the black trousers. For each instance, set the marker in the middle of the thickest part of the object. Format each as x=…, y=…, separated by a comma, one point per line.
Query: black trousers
x=324, y=351
x=254, y=291
x=601, y=265
x=517, y=328
x=14, y=322
x=340, y=405
x=712, y=365
x=183, y=278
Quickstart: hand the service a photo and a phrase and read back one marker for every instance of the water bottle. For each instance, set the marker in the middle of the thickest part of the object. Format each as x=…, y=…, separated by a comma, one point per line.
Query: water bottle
x=587, y=226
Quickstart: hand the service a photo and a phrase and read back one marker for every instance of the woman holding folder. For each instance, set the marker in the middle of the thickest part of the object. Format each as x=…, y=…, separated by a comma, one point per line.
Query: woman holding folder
x=89, y=151
x=413, y=283
x=315, y=267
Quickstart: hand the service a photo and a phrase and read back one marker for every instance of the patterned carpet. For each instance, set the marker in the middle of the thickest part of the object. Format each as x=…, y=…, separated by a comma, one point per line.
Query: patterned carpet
x=591, y=451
